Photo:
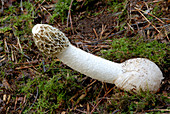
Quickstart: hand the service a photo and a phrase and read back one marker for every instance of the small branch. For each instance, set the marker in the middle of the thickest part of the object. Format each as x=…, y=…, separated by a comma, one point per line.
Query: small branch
x=115, y=112
x=21, y=52
x=95, y=43
x=147, y=20
x=6, y=46
x=12, y=54
x=149, y=28
x=44, y=69
x=21, y=6
x=18, y=41
x=25, y=67
x=130, y=27
x=101, y=100
x=2, y=58
x=166, y=110
x=31, y=62
x=103, y=30
x=151, y=15
x=34, y=100
x=2, y=8
x=166, y=33
x=81, y=111
x=69, y=12
x=95, y=33
x=91, y=84
x=71, y=23
x=45, y=10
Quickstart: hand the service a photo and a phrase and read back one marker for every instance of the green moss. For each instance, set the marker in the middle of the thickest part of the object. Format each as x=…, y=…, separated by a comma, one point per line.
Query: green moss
x=126, y=48
x=51, y=93
x=116, y=5
x=60, y=11
x=133, y=103
x=5, y=29
x=19, y=21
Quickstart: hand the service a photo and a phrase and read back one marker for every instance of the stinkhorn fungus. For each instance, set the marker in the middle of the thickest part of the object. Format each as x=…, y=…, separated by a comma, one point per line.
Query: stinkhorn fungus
x=131, y=75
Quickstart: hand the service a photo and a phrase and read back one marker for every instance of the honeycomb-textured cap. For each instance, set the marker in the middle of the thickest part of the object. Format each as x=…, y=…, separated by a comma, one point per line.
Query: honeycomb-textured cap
x=49, y=40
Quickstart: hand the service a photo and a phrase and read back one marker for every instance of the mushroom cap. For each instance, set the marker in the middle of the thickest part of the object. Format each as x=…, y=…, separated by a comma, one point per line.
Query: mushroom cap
x=139, y=74
x=49, y=40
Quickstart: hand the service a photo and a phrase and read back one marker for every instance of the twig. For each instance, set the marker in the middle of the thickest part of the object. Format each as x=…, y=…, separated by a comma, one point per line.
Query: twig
x=114, y=112
x=149, y=28
x=95, y=43
x=100, y=91
x=95, y=33
x=31, y=62
x=88, y=86
x=147, y=20
x=31, y=49
x=93, y=106
x=6, y=46
x=100, y=100
x=167, y=35
x=21, y=6
x=88, y=108
x=151, y=15
x=2, y=58
x=130, y=27
x=2, y=8
x=12, y=54
x=71, y=24
x=23, y=104
x=25, y=67
x=103, y=30
x=69, y=12
x=45, y=10
x=81, y=111
x=44, y=69
x=34, y=100
x=91, y=84
x=21, y=52
x=39, y=5
x=16, y=100
x=167, y=110
x=18, y=41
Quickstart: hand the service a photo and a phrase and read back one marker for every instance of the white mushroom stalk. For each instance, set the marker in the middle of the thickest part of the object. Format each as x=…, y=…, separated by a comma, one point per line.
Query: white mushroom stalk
x=132, y=75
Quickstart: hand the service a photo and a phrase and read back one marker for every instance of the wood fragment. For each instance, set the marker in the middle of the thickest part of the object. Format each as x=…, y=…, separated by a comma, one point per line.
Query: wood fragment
x=3, y=58
x=19, y=44
x=147, y=20
x=151, y=15
x=156, y=110
x=101, y=100
x=16, y=100
x=95, y=33
x=25, y=67
x=26, y=63
x=69, y=17
x=103, y=30
x=21, y=52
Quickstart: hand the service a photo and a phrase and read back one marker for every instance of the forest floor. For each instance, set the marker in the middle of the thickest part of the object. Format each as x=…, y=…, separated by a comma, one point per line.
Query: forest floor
x=117, y=30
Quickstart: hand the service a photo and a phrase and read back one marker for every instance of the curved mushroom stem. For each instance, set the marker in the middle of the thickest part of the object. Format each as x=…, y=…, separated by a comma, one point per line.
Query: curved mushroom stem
x=90, y=65
x=133, y=74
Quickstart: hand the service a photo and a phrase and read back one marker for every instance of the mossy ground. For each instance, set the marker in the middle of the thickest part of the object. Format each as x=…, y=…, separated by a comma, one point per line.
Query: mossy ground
x=30, y=82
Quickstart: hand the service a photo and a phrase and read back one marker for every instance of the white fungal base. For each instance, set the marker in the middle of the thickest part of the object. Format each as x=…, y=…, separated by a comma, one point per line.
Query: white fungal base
x=140, y=73
x=133, y=74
